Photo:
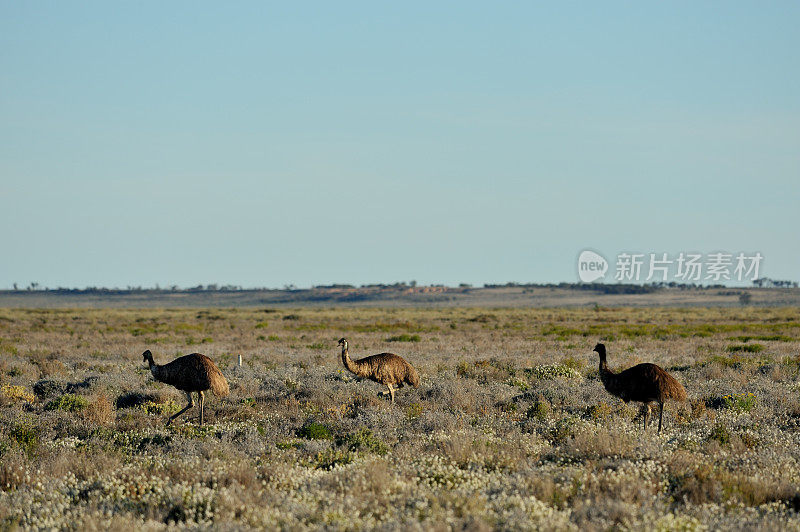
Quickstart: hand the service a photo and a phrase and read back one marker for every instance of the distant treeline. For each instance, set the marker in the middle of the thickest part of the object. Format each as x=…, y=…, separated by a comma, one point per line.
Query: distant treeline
x=351, y=291
x=609, y=288
x=648, y=288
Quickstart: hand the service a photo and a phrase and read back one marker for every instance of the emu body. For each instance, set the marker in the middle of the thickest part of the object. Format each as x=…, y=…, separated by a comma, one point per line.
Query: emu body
x=384, y=368
x=190, y=373
x=643, y=383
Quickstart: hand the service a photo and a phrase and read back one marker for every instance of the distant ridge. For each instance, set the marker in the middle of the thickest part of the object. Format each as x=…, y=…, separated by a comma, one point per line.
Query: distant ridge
x=406, y=295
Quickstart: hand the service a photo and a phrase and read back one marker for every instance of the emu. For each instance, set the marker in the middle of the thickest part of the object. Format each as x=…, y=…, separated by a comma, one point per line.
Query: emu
x=190, y=373
x=384, y=368
x=643, y=383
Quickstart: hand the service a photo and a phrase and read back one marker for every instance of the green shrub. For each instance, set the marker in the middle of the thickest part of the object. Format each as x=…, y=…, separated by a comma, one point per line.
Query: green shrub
x=289, y=444
x=404, y=338
x=742, y=402
x=572, y=362
x=765, y=338
x=364, y=440
x=315, y=431
x=720, y=433
x=25, y=437
x=519, y=383
x=600, y=411
x=68, y=403
x=539, y=410
x=746, y=348
x=465, y=370
x=330, y=458
x=413, y=411
x=168, y=407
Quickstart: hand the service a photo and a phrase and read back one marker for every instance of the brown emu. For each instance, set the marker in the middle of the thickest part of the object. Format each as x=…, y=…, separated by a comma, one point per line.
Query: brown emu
x=385, y=368
x=190, y=373
x=644, y=383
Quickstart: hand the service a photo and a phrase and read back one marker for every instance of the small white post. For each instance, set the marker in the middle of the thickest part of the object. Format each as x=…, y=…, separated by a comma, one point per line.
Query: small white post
x=240, y=360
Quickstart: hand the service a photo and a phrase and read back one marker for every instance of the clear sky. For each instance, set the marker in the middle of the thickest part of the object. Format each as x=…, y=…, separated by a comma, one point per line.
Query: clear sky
x=273, y=143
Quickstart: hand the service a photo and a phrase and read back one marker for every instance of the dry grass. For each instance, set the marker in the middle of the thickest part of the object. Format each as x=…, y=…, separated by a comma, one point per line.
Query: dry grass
x=510, y=427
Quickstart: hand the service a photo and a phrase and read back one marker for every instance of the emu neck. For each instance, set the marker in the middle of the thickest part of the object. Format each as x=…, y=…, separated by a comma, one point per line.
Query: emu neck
x=348, y=363
x=154, y=369
x=607, y=377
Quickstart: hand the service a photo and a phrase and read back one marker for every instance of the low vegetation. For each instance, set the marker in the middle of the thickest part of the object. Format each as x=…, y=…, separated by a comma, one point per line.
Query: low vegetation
x=510, y=428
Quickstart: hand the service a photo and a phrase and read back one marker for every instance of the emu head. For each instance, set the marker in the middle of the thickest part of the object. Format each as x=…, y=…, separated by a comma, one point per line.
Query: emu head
x=343, y=343
x=147, y=356
x=600, y=349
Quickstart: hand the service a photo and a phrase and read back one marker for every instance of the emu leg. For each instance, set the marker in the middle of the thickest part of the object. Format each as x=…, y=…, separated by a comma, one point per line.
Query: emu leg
x=660, y=415
x=391, y=392
x=646, y=414
x=202, y=405
x=187, y=407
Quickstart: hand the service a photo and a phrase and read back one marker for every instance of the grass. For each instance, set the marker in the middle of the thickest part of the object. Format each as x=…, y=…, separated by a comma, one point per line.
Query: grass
x=509, y=429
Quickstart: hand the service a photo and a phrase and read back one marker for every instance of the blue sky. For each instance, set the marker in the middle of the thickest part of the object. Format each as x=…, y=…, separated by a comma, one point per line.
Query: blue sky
x=264, y=144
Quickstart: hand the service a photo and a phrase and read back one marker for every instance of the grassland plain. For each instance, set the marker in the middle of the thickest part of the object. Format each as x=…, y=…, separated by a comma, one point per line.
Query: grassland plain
x=510, y=428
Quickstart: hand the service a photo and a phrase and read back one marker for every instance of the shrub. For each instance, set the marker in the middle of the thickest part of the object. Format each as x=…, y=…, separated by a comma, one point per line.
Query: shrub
x=414, y=411
x=742, y=402
x=100, y=410
x=404, y=338
x=600, y=411
x=133, y=399
x=168, y=407
x=519, y=383
x=539, y=410
x=363, y=440
x=68, y=403
x=17, y=393
x=47, y=388
x=25, y=436
x=746, y=348
x=572, y=362
x=465, y=370
x=764, y=337
x=720, y=433
x=315, y=431
x=289, y=444
x=330, y=458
